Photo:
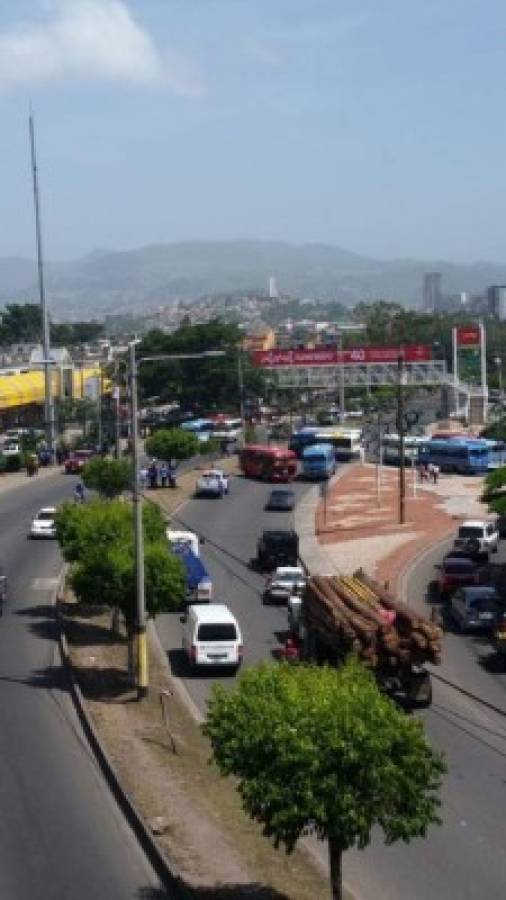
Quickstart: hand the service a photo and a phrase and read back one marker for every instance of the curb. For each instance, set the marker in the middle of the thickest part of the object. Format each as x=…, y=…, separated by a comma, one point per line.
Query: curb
x=160, y=864
x=405, y=573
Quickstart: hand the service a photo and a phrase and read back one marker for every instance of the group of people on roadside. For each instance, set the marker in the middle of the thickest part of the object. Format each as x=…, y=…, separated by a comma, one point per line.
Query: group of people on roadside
x=428, y=472
x=154, y=476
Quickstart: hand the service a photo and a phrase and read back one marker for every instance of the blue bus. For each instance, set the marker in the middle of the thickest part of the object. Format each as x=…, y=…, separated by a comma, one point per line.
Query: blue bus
x=318, y=461
x=496, y=453
x=456, y=455
x=299, y=440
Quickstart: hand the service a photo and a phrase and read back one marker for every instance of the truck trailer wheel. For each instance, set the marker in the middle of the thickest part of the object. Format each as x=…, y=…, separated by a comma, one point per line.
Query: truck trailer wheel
x=419, y=690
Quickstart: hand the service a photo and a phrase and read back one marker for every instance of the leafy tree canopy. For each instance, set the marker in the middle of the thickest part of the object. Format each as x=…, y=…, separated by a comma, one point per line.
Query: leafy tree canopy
x=495, y=491
x=172, y=443
x=97, y=538
x=110, y=477
x=22, y=322
x=323, y=750
x=200, y=384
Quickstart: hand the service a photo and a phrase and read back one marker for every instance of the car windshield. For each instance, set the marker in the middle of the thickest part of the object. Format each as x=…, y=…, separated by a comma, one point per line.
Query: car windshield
x=281, y=495
x=470, y=531
x=215, y=631
x=45, y=516
x=483, y=604
x=289, y=576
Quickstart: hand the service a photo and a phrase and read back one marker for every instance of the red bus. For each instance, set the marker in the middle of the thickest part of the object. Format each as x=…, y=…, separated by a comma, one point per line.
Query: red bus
x=268, y=463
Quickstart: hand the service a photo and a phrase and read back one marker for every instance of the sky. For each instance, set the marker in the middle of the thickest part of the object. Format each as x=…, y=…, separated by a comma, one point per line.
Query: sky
x=374, y=125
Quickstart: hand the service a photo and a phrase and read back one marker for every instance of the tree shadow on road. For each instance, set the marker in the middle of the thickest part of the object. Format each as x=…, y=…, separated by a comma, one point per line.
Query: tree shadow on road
x=253, y=891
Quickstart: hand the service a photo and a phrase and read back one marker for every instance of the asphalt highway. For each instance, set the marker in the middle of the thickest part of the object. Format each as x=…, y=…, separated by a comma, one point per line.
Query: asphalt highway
x=231, y=527
x=61, y=833
x=466, y=857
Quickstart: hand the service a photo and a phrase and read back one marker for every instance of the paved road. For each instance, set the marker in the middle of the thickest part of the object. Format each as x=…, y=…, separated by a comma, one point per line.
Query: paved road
x=464, y=859
x=231, y=527
x=61, y=834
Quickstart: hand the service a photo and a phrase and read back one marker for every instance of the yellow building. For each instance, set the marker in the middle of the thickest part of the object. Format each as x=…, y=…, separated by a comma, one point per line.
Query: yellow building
x=260, y=340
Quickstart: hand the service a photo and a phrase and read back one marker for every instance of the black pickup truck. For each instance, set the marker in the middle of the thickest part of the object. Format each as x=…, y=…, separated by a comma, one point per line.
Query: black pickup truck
x=277, y=548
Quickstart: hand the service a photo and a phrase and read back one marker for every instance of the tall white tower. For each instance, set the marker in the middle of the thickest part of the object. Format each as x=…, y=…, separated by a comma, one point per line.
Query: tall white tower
x=273, y=288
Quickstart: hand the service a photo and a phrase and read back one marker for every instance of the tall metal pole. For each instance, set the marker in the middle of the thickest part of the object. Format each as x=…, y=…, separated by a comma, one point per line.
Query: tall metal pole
x=117, y=433
x=240, y=380
x=46, y=346
x=99, y=405
x=400, y=428
x=341, y=376
x=142, y=654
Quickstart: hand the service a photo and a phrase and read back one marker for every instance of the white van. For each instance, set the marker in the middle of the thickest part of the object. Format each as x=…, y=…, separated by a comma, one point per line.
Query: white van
x=212, y=637
x=181, y=540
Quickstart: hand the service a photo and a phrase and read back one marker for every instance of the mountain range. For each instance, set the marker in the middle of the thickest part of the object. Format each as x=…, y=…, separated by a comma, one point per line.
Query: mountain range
x=143, y=279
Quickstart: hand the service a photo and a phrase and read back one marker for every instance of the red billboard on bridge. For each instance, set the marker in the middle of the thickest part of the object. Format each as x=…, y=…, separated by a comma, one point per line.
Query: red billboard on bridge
x=468, y=336
x=324, y=356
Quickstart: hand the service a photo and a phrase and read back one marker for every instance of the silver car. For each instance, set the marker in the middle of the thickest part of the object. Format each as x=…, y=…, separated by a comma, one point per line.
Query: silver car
x=285, y=581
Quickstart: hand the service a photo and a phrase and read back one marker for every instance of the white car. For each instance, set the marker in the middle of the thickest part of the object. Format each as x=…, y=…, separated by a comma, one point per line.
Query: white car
x=43, y=525
x=212, y=483
x=285, y=581
x=478, y=536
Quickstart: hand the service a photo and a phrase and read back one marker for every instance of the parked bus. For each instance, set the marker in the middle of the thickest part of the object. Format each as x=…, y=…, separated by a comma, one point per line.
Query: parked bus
x=201, y=428
x=268, y=462
x=456, y=455
x=390, y=449
x=318, y=461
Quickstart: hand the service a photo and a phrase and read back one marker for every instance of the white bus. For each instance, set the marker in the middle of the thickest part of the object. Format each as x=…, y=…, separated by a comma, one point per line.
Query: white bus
x=347, y=442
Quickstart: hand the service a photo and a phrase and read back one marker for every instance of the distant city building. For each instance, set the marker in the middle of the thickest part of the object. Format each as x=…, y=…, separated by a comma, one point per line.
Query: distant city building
x=432, y=298
x=264, y=339
x=496, y=295
x=273, y=289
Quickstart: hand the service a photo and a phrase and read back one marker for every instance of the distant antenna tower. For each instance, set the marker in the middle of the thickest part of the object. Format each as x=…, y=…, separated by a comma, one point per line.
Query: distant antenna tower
x=273, y=288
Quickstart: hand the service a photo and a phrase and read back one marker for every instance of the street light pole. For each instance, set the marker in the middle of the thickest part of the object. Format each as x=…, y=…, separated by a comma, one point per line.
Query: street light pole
x=142, y=654
x=400, y=428
x=341, y=376
x=240, y=380
x=498, y=362
x=142, y=648
x=46, y=344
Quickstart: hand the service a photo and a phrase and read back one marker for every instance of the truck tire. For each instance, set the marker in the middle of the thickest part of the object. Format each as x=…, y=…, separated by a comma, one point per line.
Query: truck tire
x=419, y=690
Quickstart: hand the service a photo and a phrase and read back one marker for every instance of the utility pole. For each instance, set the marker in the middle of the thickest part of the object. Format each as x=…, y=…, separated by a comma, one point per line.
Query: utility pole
x=117, y=434
x=142, y=655
x=240, y=381
x=341, y=376
x=46, y=345
x=400, y=428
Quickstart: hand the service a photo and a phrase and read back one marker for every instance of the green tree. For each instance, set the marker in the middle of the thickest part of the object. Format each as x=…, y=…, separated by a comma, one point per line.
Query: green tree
x=322, y=750
x=495, y=491
x=172, y=443
x=97, y=540
x=110, y=477
x=204, y=384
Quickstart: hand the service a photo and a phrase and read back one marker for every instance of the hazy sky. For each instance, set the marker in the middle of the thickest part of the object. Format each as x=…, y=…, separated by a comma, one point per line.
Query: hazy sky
x=376, y=125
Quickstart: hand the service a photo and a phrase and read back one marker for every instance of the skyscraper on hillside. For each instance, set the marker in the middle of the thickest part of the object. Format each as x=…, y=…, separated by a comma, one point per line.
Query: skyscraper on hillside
x=432, y=297
x=273, y=288
x=497, y=301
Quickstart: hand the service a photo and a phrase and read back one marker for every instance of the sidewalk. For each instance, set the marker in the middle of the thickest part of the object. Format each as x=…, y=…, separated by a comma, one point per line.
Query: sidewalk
x=360, y=529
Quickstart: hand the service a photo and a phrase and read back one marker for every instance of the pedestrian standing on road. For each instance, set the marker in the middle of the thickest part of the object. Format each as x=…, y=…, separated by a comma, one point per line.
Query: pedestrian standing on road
x=435, y=473
x=164, y=474
x=143, y=478
x=153, y=475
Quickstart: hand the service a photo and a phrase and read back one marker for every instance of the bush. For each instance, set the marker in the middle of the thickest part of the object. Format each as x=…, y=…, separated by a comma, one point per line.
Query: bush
x=173, y=443
x=110, y=477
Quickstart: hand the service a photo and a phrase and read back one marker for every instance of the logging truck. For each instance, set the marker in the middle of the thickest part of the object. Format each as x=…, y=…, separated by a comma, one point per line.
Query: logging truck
x=337, y=616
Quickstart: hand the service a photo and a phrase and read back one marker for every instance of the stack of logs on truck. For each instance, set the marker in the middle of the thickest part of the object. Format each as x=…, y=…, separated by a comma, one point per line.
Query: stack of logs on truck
x=338, y=616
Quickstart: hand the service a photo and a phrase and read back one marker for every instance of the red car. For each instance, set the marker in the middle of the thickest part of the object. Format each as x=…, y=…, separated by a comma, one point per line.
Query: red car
x=77, y=461
x=457, y=572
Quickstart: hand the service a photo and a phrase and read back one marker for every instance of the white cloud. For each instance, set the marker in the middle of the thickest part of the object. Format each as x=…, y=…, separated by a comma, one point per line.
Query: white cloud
x=85, y=39
x=263, y=53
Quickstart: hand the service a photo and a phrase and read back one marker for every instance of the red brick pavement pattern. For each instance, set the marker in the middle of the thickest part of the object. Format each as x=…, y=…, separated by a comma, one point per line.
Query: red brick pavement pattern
x=353, y=513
